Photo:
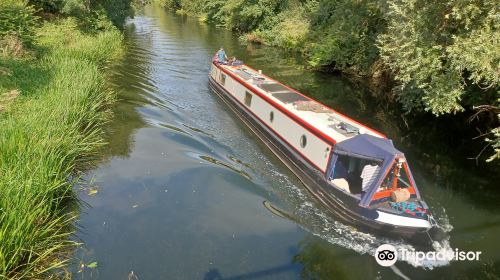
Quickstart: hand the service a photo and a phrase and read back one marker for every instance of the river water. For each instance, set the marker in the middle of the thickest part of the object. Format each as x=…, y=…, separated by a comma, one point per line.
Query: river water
x=181, y=188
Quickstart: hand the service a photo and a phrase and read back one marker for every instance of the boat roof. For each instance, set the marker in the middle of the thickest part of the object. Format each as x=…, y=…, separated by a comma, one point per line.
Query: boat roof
x=335, y=125
x=372, y=148
x=369, y=147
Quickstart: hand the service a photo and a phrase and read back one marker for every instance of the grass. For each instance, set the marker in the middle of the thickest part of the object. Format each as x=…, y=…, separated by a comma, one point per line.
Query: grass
x=52, y=127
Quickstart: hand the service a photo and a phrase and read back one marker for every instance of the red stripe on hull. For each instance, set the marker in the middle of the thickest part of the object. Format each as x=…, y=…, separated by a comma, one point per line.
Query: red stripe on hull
x=298, y=92
x=323, y=170
x=278, y=106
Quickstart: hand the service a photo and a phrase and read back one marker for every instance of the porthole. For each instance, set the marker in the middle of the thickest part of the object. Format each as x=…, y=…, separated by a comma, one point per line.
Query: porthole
x=223, y=79
x=248, y=98
x=271, y=116
x=303, y=141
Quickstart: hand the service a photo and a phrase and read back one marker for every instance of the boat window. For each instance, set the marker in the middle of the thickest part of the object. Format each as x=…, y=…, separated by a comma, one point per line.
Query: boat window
x=350, y=169
x=248, y=98
x=271, y=116
x=222, y=79
x=403, y=181
x=398, y=177
x=303, y=141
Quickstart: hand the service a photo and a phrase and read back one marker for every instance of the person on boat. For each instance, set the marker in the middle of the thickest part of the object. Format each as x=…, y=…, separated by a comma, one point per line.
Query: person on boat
x=368, y=175
x=221, y=55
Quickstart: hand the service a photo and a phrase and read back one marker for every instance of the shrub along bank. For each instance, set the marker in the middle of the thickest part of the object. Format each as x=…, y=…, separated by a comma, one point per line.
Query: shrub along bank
x=53, y=103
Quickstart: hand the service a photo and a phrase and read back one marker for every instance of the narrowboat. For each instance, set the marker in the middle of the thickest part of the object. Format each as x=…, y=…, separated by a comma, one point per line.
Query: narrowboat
x=354, y=171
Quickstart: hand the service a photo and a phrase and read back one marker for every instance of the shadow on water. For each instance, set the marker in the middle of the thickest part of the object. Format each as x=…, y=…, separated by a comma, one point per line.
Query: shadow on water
x=181, y=188
x=313, y=259
x=215, y=274
x=125, y=76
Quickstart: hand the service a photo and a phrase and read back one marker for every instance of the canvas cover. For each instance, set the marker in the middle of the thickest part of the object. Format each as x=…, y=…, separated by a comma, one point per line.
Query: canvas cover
x=369, y=147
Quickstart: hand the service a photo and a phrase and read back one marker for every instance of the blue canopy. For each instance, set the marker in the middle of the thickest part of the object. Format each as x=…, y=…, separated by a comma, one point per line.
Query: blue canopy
x=369, y=147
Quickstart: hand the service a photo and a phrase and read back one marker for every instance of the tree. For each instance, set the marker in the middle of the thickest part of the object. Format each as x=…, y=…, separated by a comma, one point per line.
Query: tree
x=438, y=48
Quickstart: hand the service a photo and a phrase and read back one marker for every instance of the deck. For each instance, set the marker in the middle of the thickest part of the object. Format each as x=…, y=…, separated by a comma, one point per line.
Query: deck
x=319, y=116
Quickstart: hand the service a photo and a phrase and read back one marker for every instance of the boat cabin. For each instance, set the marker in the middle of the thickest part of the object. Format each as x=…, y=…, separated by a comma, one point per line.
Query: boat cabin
x=389, y=170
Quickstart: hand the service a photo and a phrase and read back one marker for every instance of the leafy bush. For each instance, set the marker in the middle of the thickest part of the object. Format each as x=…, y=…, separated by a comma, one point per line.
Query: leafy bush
x=47, y=6
x=216, y=12
x=116, y=10
x=171, y=4
x=17, y=19
x=345, y=34
x=292, y=32
x=494, y=140
x=339, y=34
x=95, y=15
x=434, y=53
x=248, y=15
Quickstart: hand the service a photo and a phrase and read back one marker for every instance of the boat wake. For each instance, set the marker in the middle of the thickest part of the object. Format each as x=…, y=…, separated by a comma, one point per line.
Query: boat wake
x=312, y=218
x=349, y=237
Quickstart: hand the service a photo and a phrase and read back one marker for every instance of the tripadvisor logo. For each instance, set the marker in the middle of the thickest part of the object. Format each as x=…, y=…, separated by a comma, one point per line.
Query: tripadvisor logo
x=386, y=255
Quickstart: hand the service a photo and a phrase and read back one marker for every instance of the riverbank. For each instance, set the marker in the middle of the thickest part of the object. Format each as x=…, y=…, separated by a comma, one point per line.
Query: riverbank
x=49, y=128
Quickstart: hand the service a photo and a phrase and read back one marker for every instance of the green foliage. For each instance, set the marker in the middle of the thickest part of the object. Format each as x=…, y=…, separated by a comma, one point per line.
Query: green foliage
x=291, y=31
x=52, y=123
x=53, y=126
x=339, y=34
x=289, y=28
x=494, y=140
x=445, y=57
x=90, y=11
x=216, y=12
x=17, y=19
x=344, y=33
x=95, y=15
x=117, y=10
x=238, y=15
x=476, y=49
x=248, y=15
x=74, y=7
x=436, y=52
x=170, y=4
x=47, y=6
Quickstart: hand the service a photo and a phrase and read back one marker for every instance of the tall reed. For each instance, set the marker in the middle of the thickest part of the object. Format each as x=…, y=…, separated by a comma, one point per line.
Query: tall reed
x=50, y=129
